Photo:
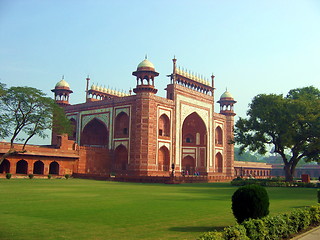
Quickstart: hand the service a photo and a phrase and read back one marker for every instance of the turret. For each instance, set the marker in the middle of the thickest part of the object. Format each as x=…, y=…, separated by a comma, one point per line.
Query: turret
x=145, y=74
x=62, y=92
x=226, y=104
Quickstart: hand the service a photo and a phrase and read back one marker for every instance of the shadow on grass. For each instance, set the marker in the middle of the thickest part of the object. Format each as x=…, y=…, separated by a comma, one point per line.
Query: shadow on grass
x=196, y=229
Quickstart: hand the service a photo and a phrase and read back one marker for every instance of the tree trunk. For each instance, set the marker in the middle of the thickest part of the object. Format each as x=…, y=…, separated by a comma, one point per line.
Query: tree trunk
x=288, y=172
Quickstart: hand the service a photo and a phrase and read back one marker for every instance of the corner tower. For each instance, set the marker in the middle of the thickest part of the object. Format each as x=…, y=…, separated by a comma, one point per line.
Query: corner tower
x=144, y=118
x=226, y=108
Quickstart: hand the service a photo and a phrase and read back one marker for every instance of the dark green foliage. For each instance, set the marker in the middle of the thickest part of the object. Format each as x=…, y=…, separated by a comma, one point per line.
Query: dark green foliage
x=67, y=176
x=272, y=182
x=288, y=124
x=256, y=229
x=250, y=201
x=318, y=195
x=49, y=176
x=278, y=227
x=315, y=214
x=237, y=232
x=8, y=175
x=30, y=176
x=211, y=236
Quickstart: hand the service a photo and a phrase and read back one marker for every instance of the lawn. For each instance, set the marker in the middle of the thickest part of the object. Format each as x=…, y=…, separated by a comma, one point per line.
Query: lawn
x=87, y=209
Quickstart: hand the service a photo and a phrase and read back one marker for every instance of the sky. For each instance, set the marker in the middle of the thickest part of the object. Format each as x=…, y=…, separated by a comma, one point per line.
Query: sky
x=251, y=46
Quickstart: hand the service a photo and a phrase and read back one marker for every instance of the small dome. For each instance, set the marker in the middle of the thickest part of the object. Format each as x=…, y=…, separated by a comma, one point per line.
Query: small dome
x=145, y=64
x=62, y=83
x=226, y=94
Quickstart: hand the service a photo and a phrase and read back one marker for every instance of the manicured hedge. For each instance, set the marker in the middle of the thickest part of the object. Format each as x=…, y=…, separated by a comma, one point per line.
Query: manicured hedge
x=271, y=182
x=269, y=228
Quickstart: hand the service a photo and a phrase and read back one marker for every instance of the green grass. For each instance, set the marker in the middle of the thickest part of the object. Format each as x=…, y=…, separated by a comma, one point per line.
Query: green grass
x=87, y=209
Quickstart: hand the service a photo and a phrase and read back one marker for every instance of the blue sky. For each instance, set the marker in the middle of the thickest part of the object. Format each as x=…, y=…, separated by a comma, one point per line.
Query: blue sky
x=251, y=47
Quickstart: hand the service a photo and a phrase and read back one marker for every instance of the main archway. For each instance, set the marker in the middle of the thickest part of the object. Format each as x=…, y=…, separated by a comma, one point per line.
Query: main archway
x=194, y=140
x=95, y=133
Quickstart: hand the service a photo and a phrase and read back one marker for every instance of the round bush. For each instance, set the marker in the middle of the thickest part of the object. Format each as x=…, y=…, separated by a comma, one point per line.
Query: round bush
x=8, y=175
x=250, y=201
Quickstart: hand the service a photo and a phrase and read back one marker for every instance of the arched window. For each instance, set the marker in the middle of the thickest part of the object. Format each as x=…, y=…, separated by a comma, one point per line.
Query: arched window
x=164, y=126
x=95, y=133
x=73, y=135
x=38, y=167
x=54, y=168
x=163, y=159
x=5, y=166
x=219, y=136
x=121, y=126
x=121, y=158
x=22, y=167
x=219, y=163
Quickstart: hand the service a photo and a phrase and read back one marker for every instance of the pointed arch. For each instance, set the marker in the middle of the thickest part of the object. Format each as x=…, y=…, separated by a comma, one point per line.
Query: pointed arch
x=163, y=159
x=219, y=163
x=219, y=136
x=121, y=125
x=38, y=167
x=194, y=128
x=5, y=166
x=121, y=158
x=164, y=126
x=54, y=168
x=22, y=167
x=95, y=133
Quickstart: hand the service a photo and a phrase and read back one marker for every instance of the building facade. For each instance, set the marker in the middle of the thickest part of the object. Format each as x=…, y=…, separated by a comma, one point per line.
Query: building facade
x=142, y=134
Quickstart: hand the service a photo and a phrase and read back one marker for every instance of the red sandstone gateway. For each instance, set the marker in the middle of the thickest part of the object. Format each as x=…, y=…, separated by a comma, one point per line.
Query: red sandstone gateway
x=139, y=133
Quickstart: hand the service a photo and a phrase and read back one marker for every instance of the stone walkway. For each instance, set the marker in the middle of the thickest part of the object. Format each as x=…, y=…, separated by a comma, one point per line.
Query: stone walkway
x=313, y=234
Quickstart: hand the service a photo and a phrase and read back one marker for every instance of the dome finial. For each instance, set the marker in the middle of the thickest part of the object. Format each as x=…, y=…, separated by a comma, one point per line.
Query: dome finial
x=146, y=57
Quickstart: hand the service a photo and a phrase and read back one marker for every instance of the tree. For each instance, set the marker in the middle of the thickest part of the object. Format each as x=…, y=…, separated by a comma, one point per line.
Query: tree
x=290, y=124
x=27, y=110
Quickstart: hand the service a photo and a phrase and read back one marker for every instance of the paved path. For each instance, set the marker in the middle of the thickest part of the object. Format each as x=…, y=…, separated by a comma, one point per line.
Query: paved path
x=313, y=234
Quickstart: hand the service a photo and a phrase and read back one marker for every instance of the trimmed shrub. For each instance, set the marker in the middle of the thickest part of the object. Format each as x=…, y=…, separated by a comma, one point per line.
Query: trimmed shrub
x=237, y=232
x=49, y=176
x=256, y=229
x=67, y=176
x=282, y=226
x=315, y=214
x=30, y=176
x=211, y=236
x=250, y=201
x=8, y=175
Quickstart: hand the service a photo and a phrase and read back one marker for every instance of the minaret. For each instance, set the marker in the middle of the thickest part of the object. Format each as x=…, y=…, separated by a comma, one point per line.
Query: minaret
x=144, y=115
x=145, y=77
x=61, y=96
x=62, y=92
x=226, y=108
